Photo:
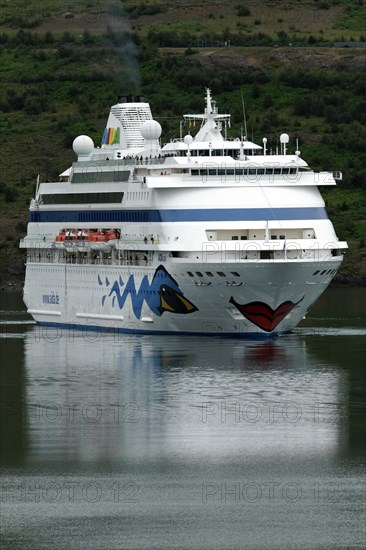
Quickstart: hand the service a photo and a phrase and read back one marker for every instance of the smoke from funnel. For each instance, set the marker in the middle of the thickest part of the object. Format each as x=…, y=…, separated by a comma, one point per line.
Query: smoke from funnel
x=128, y=81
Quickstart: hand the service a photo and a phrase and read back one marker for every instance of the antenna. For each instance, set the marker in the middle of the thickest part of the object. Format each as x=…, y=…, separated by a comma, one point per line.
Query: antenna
x=244, y=117
x=297, y=152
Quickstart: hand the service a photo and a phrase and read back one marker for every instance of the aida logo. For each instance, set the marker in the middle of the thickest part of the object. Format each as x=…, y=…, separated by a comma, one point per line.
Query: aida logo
x=52, y=298
x=161, y=295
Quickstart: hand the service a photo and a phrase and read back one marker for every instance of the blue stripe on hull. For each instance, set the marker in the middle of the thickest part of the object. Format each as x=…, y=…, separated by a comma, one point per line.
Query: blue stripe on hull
x=113, y=330
x=183, y=215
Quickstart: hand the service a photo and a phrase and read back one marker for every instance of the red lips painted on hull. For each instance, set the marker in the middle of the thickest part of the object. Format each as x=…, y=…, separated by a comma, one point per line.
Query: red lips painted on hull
x=262, y=315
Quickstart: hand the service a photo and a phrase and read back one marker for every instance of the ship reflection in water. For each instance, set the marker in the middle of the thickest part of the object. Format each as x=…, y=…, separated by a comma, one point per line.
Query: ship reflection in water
x=109, y=398
x=166, y=443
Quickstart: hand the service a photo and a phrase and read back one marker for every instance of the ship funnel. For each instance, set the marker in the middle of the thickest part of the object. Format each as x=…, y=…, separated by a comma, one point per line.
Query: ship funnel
x=131, y=99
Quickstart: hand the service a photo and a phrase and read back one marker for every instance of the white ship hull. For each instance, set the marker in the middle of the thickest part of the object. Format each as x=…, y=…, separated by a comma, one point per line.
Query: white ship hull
x=206, y=235
x=266, y=297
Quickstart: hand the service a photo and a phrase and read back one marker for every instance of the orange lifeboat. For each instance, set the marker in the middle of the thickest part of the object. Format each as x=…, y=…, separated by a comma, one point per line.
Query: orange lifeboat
x=112, y=235
x=102, y=237
x=61, y=236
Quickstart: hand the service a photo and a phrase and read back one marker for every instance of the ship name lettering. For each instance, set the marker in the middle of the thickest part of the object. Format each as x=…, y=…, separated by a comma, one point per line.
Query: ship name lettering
x=51, y=298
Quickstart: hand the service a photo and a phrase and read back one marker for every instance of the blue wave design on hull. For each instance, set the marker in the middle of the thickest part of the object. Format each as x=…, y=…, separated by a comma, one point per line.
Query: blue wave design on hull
x=162, y=294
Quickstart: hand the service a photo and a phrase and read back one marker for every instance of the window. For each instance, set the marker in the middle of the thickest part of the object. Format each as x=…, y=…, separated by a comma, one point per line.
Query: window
x=199, y=274
x=221, y=274
x=100, y=177
x=190, y=273
x=235, y=273
x=82, y=198
x=209, y=274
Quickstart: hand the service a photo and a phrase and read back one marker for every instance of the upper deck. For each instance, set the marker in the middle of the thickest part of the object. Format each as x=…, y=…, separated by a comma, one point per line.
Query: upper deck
x=131, y=153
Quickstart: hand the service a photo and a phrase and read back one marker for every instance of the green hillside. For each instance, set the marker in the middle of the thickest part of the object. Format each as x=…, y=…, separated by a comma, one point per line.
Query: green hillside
x=324, y=19
x=62, y=66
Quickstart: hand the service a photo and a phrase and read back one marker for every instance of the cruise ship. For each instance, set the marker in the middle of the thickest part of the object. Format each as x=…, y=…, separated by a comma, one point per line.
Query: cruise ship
x=206, y=234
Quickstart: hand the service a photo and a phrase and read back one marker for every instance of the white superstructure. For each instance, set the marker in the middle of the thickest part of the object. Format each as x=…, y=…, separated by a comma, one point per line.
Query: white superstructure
x=204, y=235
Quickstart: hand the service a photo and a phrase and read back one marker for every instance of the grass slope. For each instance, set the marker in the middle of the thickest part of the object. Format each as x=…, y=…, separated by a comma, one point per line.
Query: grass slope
x=332, y=19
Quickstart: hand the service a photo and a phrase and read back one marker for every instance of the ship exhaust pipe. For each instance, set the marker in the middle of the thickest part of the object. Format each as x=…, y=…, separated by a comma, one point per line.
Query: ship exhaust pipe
x=131, y=99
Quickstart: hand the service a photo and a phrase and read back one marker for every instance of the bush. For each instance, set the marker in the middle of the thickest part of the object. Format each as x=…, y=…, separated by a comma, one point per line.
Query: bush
x=10, y=193
x=48, y=38
x=32, y=106
x=242, y=11
x=64, y=52
x=144, y=9
x=267, y=101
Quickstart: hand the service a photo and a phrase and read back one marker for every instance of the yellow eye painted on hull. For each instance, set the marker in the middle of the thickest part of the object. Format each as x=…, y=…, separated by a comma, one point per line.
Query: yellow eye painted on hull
x=166, y=306
x=186, y=303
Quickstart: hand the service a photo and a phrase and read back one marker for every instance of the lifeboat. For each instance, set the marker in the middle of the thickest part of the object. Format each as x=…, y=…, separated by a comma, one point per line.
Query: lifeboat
x=60, y=239
x=71, y=235
x=61, y=236
x=97, y=239
x=113, y=236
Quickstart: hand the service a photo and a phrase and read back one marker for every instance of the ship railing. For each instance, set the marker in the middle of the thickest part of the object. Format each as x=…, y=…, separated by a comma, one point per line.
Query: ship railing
x=120, y=262
x=138, y=160
x=75, y=259
x=40, y=241
x=103, y=261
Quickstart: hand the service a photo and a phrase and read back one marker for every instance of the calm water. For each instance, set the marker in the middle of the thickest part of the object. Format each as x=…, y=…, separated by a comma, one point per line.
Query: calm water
x=111, y=442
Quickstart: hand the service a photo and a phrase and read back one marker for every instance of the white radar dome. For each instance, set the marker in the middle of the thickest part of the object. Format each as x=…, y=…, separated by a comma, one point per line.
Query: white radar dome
x=151, y=129
x=83, y=146
x=188, y=139
x=284, y=138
